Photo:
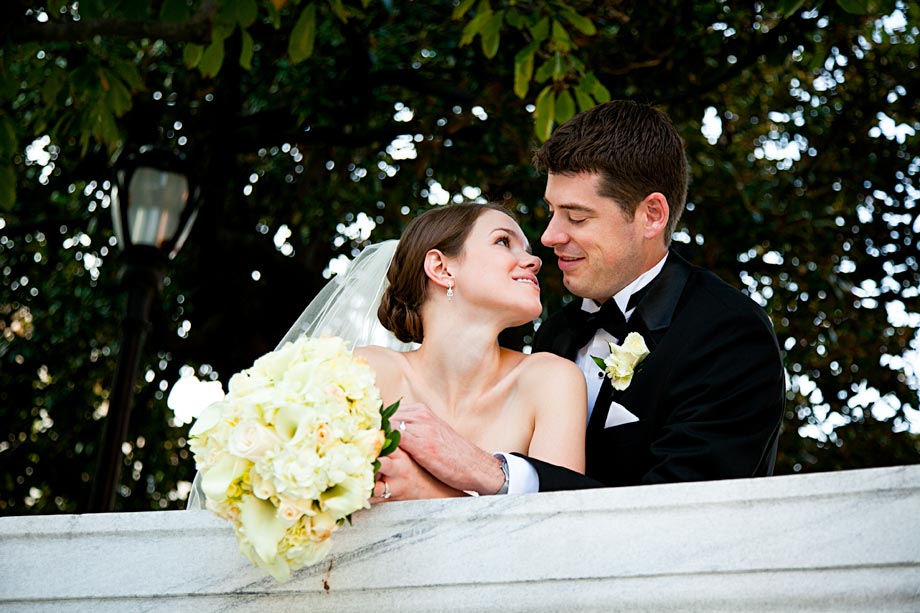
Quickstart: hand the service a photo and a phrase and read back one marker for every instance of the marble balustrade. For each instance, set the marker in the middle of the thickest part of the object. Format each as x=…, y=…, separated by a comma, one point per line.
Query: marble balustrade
x=845, y=541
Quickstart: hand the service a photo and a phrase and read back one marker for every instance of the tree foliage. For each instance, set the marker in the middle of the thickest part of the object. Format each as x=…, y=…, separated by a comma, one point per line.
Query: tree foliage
x=315, y=127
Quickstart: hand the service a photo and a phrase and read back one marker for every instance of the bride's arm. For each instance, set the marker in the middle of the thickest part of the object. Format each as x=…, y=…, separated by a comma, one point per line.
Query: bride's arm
x=556, y=388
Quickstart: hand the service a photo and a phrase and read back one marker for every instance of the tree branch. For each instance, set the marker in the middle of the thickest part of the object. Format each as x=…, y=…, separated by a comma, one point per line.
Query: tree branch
x=197, y=29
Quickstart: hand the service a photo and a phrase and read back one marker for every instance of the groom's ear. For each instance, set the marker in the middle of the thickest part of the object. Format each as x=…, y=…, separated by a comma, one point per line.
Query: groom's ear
x=436, y=268
x=656, y=213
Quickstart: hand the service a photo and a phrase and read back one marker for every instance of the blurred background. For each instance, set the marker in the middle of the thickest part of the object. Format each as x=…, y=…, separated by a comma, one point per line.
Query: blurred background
x=307, y=130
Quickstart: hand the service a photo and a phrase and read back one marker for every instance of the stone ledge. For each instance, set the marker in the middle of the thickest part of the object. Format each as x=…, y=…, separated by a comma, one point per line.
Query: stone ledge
x=842, y=541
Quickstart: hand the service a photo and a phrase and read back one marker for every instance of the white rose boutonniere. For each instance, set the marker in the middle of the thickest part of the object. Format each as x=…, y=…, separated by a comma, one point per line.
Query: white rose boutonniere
x=621, y=364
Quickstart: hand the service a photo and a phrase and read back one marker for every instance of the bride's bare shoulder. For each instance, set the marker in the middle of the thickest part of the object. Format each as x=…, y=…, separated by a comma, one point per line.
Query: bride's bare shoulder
x=381, y=358
x=546, y=368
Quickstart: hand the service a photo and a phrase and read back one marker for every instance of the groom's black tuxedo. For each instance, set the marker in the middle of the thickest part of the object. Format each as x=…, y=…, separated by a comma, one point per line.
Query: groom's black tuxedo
x=709, y=397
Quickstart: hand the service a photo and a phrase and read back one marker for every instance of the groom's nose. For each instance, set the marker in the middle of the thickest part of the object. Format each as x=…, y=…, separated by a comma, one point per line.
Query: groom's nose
x=554, y=234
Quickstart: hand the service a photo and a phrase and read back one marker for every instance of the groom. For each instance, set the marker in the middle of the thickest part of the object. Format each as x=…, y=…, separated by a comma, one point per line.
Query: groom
x=707, y=402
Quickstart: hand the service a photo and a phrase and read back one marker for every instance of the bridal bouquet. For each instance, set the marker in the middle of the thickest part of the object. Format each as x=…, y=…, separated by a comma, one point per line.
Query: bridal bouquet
x=291, y=451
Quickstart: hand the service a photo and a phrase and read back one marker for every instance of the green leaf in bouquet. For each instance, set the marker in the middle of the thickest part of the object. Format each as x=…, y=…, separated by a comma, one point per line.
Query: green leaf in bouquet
x=600, y=362
x=388, y=412
x=390, y=443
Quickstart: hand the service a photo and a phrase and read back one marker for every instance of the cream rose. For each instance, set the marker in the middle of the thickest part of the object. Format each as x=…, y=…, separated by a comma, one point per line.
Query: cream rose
x=251, y=440
x=621, y=364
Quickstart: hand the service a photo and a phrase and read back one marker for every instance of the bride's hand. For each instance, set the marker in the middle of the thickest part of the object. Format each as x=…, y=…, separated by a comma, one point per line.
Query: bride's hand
x=401, y=478
x=444, y=453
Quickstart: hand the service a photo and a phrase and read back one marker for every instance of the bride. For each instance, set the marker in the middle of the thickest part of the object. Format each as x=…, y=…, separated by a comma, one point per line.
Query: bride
x=460, y=275
x=427, y=319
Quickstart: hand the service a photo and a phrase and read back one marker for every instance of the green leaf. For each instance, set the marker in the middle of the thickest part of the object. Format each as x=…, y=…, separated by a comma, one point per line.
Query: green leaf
x=246, y=48
x=515, y=20
x=540, y=31
x=462, y=8
x=128, y=73
x=523, y=69
x=51, y=89
x=222, y=31
x=118, y=98
x=212, y=59
x=474, y=27
x=274, y=16
x=565, y=106
x=388, y=412
x=559, y=70
x=491, y=34
x=300, y=47
x=599, y=362
x=246, y=12
x=390, y=443
x=600, y=93
x=175, y=10
x=582, y=24
x=560, y=38
x=7, y=187
x=787, y=8
x=544, y=71
x=9, y=144
x=544, y=113
x=855, y=7
x=340, y=10
x=85, y=78
x=191, y=55
x=585, y=101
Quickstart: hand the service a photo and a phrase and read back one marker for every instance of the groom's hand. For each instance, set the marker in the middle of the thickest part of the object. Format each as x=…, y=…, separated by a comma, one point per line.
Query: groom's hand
x=445, y=454
x=401, y=478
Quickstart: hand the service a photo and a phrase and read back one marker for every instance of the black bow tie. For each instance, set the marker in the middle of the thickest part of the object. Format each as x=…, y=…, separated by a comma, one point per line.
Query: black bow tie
x=585, y=325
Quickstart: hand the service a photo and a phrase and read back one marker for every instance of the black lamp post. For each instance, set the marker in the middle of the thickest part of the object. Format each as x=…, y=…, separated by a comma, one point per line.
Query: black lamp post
x=153, y=207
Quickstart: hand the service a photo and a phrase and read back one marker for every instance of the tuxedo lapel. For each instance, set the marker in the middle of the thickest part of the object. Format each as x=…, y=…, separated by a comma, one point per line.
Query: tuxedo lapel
x=651, y=319
x=654, y=314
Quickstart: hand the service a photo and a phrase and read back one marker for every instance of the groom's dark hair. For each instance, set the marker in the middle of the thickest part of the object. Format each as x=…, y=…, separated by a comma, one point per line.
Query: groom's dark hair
x=635, y=149
x=445, y=229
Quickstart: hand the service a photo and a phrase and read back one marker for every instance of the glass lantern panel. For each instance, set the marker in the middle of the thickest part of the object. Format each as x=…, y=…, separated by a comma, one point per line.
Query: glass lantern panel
x=157, y=201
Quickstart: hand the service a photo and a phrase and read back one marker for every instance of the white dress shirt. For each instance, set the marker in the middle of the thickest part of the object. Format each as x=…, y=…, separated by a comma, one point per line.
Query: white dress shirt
x=522, y=476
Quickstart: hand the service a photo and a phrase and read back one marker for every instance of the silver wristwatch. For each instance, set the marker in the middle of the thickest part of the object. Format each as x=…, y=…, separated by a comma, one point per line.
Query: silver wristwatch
x=504, y=488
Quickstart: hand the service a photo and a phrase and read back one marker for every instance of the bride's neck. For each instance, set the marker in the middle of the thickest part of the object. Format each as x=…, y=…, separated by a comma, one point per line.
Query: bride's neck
x=459, y=361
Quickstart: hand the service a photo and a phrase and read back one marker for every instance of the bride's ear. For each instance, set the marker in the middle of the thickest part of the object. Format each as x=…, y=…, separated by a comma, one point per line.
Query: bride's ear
x=436, y=268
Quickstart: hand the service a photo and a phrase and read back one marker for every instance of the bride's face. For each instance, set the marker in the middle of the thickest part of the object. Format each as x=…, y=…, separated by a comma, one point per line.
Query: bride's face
x=498, y=271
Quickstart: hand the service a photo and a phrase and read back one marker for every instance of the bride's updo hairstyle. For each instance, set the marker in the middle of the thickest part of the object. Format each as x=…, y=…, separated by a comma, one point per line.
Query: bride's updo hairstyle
x=444, y=229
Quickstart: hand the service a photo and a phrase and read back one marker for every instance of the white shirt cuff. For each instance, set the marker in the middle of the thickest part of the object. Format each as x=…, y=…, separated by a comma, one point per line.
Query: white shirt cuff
x=522, y=476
